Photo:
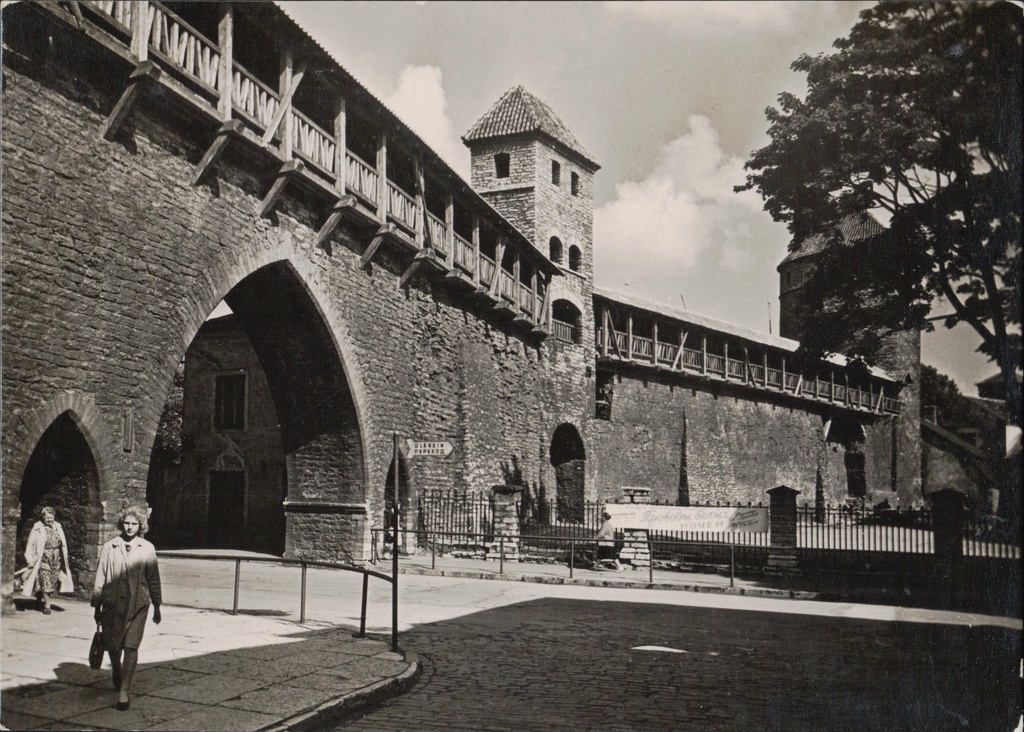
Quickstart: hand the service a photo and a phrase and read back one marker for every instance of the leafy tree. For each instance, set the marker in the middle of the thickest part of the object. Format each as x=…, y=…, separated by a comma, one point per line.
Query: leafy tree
x=916, y=118
x=939, y=391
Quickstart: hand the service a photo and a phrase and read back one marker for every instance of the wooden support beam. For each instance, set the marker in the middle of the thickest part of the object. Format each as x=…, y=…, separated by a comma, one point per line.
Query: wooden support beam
x=677, y=362
x=629, y=336
x=881, y=398
x=144, y=75
x=654, y=343
x=77, y=12
x=799, y=385
x=382, y=233
x=414, y=265
x=226, y=43
x=420, y=215
x=231, y=128
x=142, y=21
x=832, y=385
x=495, y=289
x=704, y=355
x=337, y=211
x=476, y=249
x=340, y=146
x=382, y=177
x=285, y=105
x=764, y=373
x=280, y=181
x=782, y=383
x=725, y=361
x=449, y=227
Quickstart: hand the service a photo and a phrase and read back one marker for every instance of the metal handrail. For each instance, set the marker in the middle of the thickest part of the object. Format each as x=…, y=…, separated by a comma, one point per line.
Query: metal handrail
x=304, y=564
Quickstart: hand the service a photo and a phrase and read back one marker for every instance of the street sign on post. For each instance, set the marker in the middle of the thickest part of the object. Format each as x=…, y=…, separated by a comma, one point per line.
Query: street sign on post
x=420, y=448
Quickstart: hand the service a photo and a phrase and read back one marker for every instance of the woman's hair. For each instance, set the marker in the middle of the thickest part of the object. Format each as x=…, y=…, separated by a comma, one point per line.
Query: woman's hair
x=47, y=510
x=139, y=513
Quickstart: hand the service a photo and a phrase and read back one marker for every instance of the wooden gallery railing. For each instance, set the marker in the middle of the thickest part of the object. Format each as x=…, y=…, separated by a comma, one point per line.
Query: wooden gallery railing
x=146, y=30
x=639, y=349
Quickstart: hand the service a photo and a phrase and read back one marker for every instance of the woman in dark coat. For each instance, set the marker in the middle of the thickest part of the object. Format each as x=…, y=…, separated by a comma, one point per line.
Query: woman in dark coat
x=127, y=582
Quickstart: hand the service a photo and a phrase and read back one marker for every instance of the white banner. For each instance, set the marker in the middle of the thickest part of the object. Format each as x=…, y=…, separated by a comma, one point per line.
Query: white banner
x=688, y=518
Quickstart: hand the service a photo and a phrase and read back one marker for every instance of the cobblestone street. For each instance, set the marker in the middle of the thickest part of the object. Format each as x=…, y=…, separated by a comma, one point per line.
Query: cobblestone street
x=576, y=665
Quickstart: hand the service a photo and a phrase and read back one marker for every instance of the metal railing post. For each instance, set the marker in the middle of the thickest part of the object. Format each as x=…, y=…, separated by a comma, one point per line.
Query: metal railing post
x=732, y=565
x=362, y=615
x=238, y=571
x=650, y=559
x=302, y=606
x=572, y=555
x=501, y=555
x=433, y=554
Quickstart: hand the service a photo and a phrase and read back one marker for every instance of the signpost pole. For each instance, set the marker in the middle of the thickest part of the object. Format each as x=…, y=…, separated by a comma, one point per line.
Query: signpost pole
x=394, y=550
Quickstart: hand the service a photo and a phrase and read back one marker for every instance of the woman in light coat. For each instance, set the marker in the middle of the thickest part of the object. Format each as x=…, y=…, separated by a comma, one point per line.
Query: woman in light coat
x=127, y=582
x=46, y=552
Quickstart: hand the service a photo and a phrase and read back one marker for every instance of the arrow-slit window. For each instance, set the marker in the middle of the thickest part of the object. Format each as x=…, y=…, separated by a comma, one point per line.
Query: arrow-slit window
x=229, y=402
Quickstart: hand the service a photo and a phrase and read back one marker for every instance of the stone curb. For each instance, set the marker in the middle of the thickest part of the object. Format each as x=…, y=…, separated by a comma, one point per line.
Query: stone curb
x=615, y=583
x=335, y=711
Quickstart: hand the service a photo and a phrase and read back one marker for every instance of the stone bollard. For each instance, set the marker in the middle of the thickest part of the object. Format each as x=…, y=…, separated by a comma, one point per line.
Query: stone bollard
x=782, y=525
x=505, y=510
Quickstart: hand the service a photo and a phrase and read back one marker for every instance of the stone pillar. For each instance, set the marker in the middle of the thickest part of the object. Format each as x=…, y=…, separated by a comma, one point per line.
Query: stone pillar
x=782, y=525
x=505, y=510
x=636, y=550
x=948, y=518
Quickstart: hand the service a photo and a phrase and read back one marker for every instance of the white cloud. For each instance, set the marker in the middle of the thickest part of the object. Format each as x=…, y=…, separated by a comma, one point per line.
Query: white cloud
x=683, y=231
x=714, y=17
x=419, y=100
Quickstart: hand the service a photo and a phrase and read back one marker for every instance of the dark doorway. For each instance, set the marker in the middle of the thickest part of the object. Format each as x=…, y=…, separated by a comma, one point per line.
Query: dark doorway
x=61, y=473
x=569, y=460
x=226, y=510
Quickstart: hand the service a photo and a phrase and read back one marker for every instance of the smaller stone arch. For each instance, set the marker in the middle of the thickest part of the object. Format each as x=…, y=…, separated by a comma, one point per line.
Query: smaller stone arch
x=566, y=320
x=568, y=457
x=575, y=258
x=555, y=249
x=62, y=459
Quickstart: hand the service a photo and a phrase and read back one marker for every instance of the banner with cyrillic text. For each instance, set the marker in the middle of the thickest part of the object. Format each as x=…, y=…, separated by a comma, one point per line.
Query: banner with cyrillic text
x=688, y=518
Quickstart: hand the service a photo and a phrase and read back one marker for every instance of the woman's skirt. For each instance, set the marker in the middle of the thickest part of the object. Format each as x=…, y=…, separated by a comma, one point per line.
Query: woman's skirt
x=120, y=631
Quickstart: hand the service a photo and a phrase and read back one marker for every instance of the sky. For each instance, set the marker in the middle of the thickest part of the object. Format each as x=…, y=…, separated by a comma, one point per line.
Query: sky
x=668, y=97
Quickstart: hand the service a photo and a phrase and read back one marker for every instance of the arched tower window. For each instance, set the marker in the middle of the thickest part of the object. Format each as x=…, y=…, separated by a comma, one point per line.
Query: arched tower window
x=575, y=258
x=556, y=173
x=565, y=321
x=574, y=184
x=555, y=249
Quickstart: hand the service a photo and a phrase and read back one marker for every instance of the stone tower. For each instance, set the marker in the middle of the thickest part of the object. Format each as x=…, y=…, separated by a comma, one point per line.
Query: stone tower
x=534, y=172
x=899, y=355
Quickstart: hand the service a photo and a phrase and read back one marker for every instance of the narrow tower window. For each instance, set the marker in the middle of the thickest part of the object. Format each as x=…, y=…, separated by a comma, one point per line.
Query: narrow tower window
x=574, y=184
x=555, y=247
x=501, y=165
x=575, y=258
x=556, y=173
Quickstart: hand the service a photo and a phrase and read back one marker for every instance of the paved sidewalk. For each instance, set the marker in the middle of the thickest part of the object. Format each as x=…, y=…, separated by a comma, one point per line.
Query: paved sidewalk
x=198, y=670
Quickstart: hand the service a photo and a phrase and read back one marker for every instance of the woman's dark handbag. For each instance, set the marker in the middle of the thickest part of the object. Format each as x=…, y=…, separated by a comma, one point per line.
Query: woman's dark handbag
x=96, y=649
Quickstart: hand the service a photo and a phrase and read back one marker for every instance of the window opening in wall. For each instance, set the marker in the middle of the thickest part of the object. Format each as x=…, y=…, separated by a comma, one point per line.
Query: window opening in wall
x=555, y=249
x=488, y=241
x=575, y=258
x=252, y=50
x=574, y=184
x=501, y=165
x=556, y=173
x=229, y=402
x=565, y=321
x=435, y=197
x=604, y=388
x=317, y=101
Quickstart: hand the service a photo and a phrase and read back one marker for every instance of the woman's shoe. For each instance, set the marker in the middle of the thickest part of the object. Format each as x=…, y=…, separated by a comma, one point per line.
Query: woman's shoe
x=47, y=611
x=124, y=706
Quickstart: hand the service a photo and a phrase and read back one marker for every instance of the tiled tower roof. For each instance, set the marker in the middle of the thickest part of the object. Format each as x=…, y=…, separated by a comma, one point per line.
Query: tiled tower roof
x=853, y=228
x=519, y=112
